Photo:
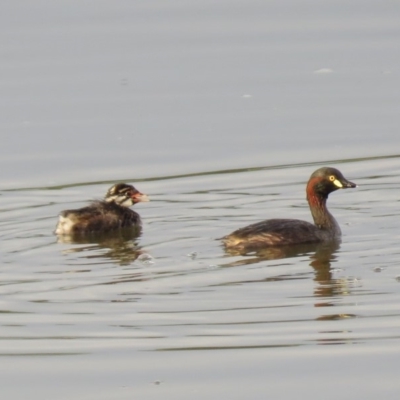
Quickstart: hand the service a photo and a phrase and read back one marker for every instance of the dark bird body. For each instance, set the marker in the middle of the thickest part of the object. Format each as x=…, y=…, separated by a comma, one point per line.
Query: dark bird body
x=103, y=216
x=281, y=232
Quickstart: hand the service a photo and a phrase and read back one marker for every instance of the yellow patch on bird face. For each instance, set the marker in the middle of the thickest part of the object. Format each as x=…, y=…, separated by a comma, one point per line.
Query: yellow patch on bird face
x=335, y=181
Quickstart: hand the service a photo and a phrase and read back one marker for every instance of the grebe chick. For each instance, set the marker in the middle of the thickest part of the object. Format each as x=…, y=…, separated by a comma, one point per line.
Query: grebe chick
x=107, y=215
x=280, y=232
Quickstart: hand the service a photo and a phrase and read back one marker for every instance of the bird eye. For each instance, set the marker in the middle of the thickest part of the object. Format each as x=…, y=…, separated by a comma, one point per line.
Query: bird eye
x=332, y=178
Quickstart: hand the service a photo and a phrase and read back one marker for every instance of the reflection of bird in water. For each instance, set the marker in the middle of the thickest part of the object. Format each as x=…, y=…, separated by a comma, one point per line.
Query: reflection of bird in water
x=108, y=215
x=289, y=232
x=328, y=286
x=321, y=257
x=119, y=246
x=320, y=253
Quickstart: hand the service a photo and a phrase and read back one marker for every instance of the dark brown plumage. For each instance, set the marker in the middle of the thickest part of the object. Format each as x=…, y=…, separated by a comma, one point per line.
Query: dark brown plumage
x=110, y=214
x=281, y=232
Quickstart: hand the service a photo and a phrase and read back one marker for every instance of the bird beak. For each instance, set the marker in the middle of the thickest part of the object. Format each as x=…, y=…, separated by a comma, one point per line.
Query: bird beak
x=139, y=197
x=344, y=184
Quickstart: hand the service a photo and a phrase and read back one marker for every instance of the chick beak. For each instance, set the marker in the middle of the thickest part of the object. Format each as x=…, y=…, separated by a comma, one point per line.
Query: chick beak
x=139, y=197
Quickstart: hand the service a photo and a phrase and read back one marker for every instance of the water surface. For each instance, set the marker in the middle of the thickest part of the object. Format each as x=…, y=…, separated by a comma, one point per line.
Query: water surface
x=134, y=313
x=219, y=112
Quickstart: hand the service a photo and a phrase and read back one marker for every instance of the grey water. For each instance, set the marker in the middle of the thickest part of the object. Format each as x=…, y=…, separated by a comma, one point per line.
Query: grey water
x=219, y=112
